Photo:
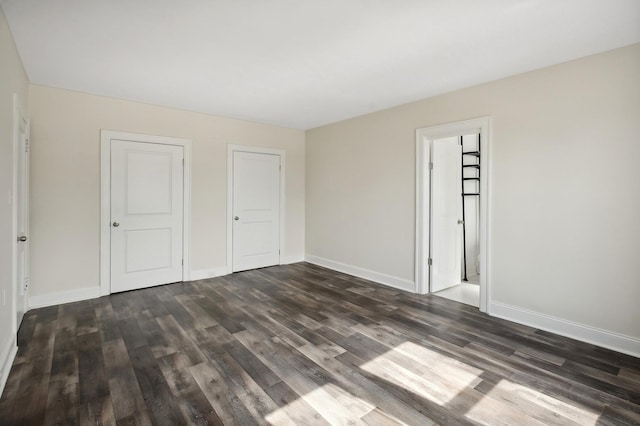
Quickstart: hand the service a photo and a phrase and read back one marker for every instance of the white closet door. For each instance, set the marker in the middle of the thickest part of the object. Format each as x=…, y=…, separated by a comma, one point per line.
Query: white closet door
x=22, y=215
x=147, y=208
x=446, y=213
x=256, y=210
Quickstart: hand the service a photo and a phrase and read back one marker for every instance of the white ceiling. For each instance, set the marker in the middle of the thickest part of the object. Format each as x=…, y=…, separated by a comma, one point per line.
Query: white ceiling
x=303, y=63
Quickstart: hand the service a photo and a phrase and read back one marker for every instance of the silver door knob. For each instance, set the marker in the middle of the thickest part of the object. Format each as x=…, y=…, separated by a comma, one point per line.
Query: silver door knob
x=460, y=222
x=116, y=224
x=22, y=238
x=236, y=218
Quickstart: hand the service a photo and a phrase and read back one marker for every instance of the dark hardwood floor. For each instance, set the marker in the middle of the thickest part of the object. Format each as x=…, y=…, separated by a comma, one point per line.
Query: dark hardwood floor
x=300, y=344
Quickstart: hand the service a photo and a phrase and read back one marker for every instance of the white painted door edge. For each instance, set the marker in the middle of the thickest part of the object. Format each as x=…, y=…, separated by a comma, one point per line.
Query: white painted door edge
x=19, y=118
x=105, y=199
x=231, y=148
x=424, y=136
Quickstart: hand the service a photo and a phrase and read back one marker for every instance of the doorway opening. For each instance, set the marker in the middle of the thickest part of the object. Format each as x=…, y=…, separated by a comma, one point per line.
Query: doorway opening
x=452, y=211
x=455, y=191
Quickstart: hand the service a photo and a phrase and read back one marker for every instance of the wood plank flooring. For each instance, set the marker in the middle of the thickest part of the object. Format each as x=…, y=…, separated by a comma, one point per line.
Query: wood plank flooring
x=300, y=344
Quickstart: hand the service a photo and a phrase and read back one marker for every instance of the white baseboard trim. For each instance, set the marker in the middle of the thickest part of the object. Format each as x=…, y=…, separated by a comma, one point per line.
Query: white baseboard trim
x=61, y=297
x=6, y=361
x=617, y=342
x=203, y=274
x=367, y=274
x=292, y=258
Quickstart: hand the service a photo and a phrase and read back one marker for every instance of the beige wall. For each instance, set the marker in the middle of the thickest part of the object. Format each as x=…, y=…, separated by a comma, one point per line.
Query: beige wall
x=12, y=80
x=65, y=180
x=565, y=234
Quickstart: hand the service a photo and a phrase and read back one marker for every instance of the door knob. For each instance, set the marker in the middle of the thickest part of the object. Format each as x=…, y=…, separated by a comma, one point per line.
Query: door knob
x=116, y=224
x=22, y=238
x=460, y=222
x=236, y=218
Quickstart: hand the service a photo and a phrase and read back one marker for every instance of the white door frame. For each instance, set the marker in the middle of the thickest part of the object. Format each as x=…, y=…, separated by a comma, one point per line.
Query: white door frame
x=105, y=199
x=231, y=148
x=424, y=138
x=19, y=116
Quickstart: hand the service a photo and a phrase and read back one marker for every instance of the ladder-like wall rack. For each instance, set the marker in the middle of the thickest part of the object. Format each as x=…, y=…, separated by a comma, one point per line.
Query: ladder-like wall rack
x=476, y=179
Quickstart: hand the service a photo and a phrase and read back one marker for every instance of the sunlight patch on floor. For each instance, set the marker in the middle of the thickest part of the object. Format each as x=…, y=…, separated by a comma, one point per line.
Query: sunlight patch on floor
x=439, y=387
x=518, y=404
x=436, y=361
x=333, y=403
x=442, y=380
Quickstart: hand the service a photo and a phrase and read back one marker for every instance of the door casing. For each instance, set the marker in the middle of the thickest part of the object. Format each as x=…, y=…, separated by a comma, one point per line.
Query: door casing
x=106, y=136
x=231, y=148
x=424, y=138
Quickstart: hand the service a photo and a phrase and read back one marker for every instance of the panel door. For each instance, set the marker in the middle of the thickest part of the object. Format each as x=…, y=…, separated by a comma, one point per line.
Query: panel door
x=147, y=208
x=256, y=210
x=22, y=219
x=446, y=213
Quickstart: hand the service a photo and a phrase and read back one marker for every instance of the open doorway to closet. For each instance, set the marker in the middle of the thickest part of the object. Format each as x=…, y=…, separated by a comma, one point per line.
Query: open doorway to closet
x=455, y=194
x=451, y=211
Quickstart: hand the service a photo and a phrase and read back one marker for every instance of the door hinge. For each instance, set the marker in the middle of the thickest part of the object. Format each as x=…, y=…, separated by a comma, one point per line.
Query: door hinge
x=429, y=261
x=182, y=262
x=430, y=165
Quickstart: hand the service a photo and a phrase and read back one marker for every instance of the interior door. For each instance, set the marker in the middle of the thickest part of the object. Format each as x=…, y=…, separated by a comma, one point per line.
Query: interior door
x=256, y=210
x=22, y=217
x=147, y=209
x=446, y=213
